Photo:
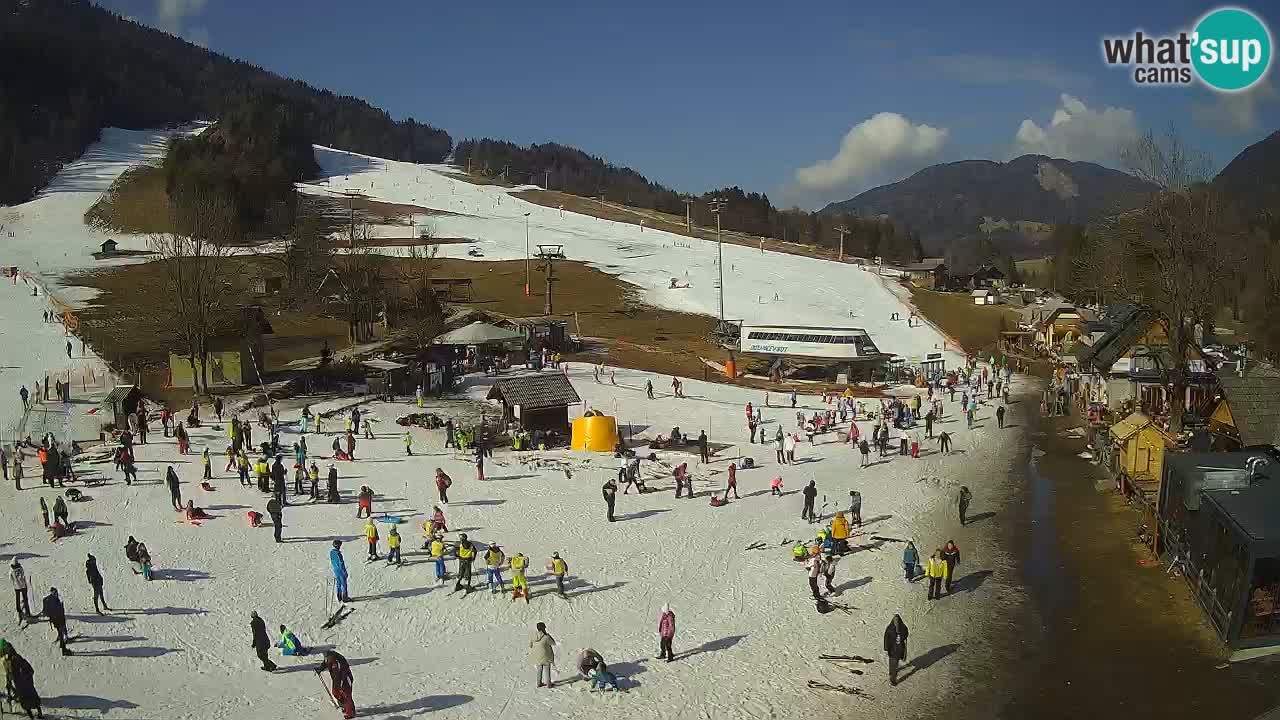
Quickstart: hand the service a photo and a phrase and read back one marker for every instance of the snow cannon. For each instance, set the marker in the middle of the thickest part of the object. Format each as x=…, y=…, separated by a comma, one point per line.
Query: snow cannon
x=595, y=433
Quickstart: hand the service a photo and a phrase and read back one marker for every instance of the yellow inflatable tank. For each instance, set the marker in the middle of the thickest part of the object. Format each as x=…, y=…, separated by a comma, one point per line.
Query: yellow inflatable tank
x=595, y=433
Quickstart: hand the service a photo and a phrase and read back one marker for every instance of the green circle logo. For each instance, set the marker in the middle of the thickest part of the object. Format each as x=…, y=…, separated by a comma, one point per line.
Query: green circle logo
x=1231, y=49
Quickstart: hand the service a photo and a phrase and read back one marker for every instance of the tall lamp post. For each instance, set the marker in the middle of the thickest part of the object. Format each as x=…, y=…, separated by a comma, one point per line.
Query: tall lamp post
x=717, y=204
x=526, y=254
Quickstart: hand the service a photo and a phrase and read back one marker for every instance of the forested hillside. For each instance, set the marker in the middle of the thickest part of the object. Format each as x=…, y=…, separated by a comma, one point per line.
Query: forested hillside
x=69, y=68
x=568, y=169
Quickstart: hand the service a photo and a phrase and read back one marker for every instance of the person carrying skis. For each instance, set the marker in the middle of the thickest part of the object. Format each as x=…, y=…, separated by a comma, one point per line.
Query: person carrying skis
x=175, y=494
x=94, y=576
x=895, y=646
x=519, y=584
x=493, y=560
x=810, y=493
x=466, y=553
x=277, y=517
x=371, y=536
x=610, y=492
x=18, y=578
x=54, y=612
x=289, y=643
x=340, y=681
x=260, y=643
x=339, y=571
x=393, y=546
x=559, y=568
x=666, y=633
x=443, y=482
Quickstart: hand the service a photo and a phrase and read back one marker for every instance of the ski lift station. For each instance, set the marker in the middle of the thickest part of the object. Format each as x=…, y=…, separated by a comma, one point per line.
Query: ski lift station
x=844, y=350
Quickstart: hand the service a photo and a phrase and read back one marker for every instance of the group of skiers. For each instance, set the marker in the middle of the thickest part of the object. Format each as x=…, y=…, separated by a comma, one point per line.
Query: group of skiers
x=589, y=663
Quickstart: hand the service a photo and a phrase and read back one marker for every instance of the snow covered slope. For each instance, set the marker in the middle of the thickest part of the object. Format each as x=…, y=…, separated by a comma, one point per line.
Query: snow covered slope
x=760, y=287
x=747, y=638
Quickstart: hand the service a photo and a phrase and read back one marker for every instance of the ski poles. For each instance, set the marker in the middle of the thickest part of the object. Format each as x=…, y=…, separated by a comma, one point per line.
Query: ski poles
x=327, y=692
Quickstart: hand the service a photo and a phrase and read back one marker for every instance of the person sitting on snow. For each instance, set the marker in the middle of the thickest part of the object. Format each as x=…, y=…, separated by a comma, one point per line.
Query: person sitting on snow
x=601, y=677
x=587, y=659
x=289, y=643
x=195, y=513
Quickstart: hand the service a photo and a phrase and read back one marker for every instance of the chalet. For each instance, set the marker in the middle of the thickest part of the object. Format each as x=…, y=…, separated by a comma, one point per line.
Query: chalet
x=1129, y=363
x=108, y=246
x=930, y=273
x=1247, y=412
x=1061, y=323
x=985, y=297
x=987, y=276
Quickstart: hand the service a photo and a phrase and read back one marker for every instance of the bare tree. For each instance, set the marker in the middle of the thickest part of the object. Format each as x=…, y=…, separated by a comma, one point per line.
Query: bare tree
x=307, y=258
x=194, y=304
x=357, y=278
x=1174, y=254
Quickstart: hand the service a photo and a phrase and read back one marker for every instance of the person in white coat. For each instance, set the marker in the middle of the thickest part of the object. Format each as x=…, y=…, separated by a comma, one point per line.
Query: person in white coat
x=18, y=577
x=542, y=653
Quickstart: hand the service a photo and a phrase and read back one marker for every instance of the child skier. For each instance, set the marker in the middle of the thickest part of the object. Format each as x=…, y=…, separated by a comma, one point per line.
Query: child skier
x=437, y=555
x=493, y=559
x=204, y=460
x=289, y=643
x=519, y=586
x=371, y=535
x=408, y=443
x=393, y=546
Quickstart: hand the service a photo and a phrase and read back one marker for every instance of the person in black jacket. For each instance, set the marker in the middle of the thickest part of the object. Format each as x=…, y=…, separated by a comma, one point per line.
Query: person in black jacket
x=810, y=492
x=277, y=516
x=95, y=581
x=21, y=680
x=278, y=487
x=340, y=680
x=703, y=449
x=175, y=494
x=895, y=646
x=260, y=643
x=53, y=611
x=610, y=492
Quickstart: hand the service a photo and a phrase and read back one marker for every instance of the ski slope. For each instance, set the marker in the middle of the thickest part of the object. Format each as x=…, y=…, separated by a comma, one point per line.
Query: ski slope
x=760, y=287
x=747, y=638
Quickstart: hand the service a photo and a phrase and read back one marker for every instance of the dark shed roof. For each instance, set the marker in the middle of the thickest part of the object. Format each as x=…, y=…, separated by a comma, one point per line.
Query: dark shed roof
x=120, y=392
x=1104, y=353
x=535, y=391
x=1255, y=404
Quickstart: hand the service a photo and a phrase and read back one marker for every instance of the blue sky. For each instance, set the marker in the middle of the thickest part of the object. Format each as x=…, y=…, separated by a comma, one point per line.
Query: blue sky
x=809, y=102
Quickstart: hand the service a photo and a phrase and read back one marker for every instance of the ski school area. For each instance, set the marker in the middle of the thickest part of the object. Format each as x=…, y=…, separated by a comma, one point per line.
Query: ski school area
x=747, y=639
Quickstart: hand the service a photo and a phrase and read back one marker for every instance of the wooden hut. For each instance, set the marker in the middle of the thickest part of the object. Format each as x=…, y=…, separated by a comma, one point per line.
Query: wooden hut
x=1142, y=445
x=538, y=401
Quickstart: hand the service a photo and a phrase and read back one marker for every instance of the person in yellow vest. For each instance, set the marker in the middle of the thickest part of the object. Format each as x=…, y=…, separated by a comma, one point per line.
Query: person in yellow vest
x=393, y=546
x=936, y=570
x=408, y=443
x=242, y=467
x=519, y=585
x=313, y=474
x=371, y=535
x=493, y=560
x=437, y=548
x=558, y=567
x=840, y=532
x=466, y=553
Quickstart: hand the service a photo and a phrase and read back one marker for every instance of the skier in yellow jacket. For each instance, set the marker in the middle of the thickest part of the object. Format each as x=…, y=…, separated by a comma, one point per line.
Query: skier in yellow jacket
x=936, y=570
x=371, y=534
x=519, y=585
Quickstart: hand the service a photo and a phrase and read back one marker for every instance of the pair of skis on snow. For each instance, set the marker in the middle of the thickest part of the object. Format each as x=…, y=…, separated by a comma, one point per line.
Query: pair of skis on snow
x=338, y=616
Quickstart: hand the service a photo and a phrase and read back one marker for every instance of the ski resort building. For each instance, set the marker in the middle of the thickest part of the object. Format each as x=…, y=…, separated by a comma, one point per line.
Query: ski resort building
x=848, y=351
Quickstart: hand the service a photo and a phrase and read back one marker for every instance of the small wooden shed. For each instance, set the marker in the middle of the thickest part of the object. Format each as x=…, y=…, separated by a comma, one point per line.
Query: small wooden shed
x=1142, y=445
x=122, y=400
x=540, y=401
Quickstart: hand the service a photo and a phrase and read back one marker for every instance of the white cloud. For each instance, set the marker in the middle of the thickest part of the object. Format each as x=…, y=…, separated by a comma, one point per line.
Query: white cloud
x=982, y=69
x=1234, y=113
x=881, y=143
x=172, y=16
x=1076, y=132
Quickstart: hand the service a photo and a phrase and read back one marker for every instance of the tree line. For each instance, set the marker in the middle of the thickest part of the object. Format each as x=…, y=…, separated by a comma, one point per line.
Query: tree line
x=570, y=170
x=70, y=68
